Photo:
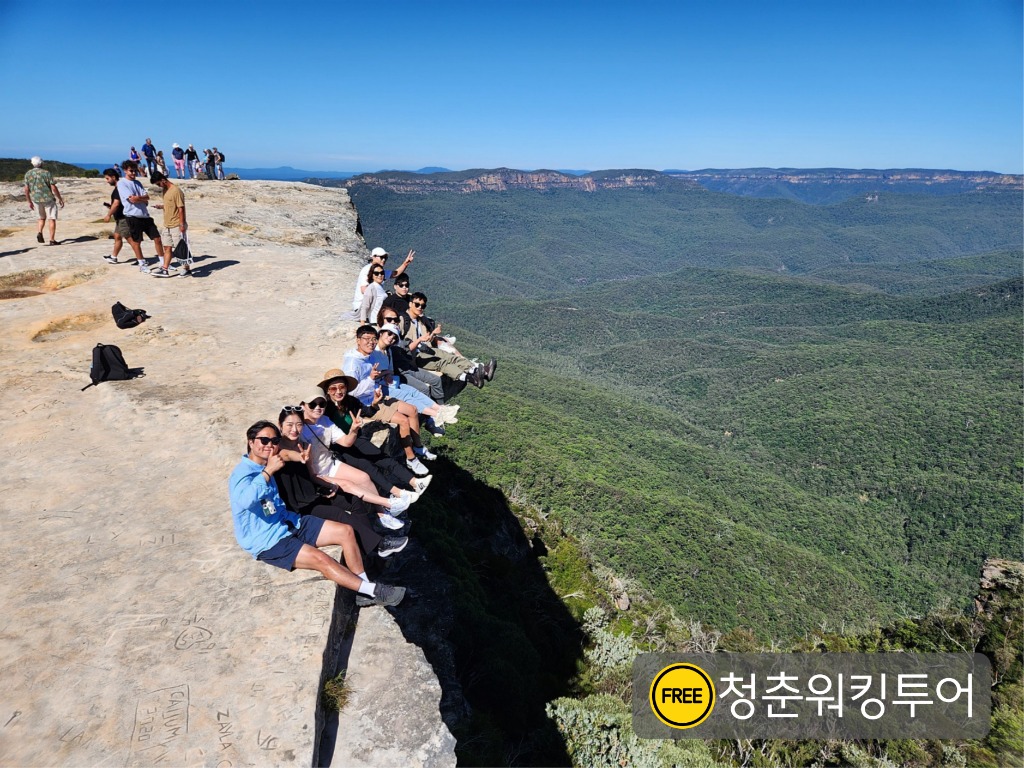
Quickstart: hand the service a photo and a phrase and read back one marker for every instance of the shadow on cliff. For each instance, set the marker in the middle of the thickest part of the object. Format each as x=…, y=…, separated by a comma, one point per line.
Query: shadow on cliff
x=480, y=607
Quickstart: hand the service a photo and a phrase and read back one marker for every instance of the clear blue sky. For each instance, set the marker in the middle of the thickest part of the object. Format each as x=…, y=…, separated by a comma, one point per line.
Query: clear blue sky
x=367, y=85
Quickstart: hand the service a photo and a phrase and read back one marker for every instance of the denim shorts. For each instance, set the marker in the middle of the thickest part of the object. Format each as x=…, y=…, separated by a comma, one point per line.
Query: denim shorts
x=283, y=553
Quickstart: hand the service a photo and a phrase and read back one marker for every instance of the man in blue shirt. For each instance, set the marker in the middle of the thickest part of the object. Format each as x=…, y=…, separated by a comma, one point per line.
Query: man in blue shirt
x=269, y=531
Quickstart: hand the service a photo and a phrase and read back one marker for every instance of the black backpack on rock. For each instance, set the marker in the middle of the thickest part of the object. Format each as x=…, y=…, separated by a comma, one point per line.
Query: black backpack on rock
x=108, y=365
x=127, y=318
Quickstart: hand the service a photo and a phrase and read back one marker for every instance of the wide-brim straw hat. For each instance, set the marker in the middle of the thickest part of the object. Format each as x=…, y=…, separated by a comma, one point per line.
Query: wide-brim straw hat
x=337, y=373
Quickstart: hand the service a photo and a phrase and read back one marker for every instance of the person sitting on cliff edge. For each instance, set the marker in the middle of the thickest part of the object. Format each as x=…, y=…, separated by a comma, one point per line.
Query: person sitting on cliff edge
x=269, y=531
x=378, y=258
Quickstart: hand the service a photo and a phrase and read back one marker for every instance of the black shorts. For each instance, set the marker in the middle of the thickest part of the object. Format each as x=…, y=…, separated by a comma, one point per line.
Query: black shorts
x=139, y=226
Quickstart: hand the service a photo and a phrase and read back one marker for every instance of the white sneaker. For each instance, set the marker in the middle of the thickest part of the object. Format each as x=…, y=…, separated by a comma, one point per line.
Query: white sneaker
x=390, y=522
x=421, y=483
x=412, y=496
x=417, y=466
x=425, y=454
x=448, y=414
x=398, y=505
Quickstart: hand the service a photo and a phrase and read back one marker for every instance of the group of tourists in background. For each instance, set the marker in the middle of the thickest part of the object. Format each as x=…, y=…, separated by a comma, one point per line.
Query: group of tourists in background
x=344, y=464
x=187, y=162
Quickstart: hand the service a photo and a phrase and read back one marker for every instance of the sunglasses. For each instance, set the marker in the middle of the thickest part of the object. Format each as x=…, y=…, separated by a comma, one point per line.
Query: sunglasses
x=269, y=440
x=292, y=409
x=419, y=303
x=317, y=404
x=392, y=319
x=377, y=272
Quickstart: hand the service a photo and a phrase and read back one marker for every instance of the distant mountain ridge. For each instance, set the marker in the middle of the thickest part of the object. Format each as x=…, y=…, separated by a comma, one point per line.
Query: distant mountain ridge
x=817, y=186
x=504, y=179
x=829, y=185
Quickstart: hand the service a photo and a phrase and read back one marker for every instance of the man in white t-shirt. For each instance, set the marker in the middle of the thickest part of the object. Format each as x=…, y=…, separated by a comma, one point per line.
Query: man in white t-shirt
x=378, y=257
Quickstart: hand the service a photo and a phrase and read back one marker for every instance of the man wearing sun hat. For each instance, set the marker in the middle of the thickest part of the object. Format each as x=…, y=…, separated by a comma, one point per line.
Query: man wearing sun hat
x=179, y=160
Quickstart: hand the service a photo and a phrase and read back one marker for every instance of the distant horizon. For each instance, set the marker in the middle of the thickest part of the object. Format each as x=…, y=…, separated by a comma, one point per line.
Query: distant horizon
x=435, y=169
x=363, y=86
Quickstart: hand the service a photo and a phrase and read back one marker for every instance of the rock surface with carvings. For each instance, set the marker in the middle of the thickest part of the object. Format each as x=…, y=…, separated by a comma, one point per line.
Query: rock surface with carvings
x=134, y=630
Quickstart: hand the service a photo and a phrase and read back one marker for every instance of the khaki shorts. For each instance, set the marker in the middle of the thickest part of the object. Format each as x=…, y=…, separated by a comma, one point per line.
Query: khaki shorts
x=121, y=228
x=47, y=210
x=170, y=237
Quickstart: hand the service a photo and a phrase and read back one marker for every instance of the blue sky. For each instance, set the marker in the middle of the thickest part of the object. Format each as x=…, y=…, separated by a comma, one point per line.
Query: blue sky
x=363, y=86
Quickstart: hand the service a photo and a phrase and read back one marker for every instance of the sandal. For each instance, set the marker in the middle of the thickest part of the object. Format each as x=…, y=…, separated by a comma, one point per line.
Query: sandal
x=53, y=242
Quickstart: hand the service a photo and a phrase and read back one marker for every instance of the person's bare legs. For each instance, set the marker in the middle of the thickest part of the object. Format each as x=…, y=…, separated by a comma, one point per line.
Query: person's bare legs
x=53, y=230
x=412, y=419
x=165, y=255
x=136, y=249
x=359, y=484
x=343, y=534
x=118, y=242
x=312, y=559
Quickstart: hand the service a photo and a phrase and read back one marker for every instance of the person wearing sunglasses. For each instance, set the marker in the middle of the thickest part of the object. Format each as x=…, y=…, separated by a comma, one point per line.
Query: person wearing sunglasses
x=306, y=495
x=385, y=464
x=320, y=434
x=423, y=337
x=373, y=296
x=438, y=388
x=392, y=384
x=378, y=258
x=273, y=534
x=398, y=299
x=367, y=374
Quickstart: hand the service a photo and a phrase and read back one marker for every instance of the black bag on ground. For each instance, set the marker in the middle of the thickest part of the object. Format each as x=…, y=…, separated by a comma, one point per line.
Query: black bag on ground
x=127, y=318
x=108, y=365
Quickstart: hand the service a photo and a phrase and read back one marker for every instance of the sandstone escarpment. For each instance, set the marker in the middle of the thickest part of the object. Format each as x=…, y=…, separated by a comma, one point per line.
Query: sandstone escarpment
x=135, y=631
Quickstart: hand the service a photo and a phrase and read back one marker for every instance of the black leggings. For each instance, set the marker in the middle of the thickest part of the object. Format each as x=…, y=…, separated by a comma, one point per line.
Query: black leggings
x=351, y=512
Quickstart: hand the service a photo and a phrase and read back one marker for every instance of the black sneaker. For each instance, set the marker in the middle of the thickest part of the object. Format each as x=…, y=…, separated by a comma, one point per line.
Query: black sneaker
x=490, y=368
x=389, y=545
x=383, y=594
x=39, y=237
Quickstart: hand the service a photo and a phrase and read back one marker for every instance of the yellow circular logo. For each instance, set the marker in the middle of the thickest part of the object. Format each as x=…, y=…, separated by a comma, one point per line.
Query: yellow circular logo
x=682, y=695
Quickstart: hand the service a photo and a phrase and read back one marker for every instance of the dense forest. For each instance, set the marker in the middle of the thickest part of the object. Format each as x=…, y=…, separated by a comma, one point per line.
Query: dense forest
x=771, y=418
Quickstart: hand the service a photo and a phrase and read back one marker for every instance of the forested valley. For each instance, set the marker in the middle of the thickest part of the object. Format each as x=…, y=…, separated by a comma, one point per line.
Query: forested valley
x=765, y=421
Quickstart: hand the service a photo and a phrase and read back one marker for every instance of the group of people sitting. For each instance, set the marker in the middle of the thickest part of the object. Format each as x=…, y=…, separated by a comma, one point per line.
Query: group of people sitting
x=344, y=465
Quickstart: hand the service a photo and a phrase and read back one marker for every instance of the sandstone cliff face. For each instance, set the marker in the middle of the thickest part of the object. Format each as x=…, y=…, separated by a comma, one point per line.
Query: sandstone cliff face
x=503, y=179
x=813, y=185
x=135, y=631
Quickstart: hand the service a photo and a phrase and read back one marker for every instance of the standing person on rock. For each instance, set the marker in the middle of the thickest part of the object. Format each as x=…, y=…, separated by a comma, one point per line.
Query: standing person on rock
x=116, y=210
x=175, y=224
x=178, y=154
x=192, y=160
x=42, y=195
x=135, y=200
x=150, y=153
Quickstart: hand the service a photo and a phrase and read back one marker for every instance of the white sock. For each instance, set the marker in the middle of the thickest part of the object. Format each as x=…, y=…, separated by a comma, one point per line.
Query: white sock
x=362, y=576
x=366, y=588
